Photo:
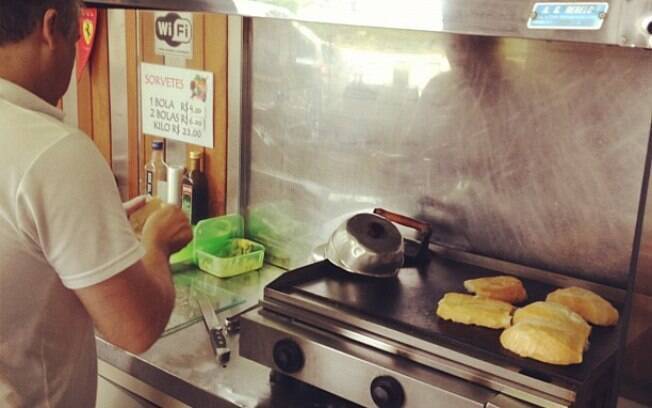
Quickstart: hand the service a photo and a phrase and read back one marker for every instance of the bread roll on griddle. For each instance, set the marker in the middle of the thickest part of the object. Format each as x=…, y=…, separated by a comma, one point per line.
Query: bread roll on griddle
x=506, y=288
x=475, y=310
x=592, y=307
x=555, y=312
x=545, y=340
x=547, y=332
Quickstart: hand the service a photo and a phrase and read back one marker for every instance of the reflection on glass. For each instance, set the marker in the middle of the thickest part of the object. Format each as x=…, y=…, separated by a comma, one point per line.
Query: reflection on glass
x=493, y=141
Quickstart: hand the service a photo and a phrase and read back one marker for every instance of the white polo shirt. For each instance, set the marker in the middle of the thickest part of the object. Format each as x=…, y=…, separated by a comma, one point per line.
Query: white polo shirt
x=62, y=227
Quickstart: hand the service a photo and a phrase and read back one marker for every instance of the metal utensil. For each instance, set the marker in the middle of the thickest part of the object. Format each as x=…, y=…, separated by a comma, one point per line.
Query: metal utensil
x=233, y=321
x=421, y=254
x=369, y=244
x=215, y=329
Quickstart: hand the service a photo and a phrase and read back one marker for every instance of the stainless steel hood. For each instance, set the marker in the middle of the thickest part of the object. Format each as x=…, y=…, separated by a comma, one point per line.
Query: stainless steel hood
x=627, y=23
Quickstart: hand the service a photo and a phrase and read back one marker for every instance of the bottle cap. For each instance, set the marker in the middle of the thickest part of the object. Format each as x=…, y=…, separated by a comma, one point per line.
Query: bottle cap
x=195, y=155
x=157, y=145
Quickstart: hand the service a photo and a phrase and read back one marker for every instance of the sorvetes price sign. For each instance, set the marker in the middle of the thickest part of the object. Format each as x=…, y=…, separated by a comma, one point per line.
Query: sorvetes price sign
x=177, y=103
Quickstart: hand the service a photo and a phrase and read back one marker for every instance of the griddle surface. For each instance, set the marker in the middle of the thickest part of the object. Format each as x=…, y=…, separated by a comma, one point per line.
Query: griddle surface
x=408, y=302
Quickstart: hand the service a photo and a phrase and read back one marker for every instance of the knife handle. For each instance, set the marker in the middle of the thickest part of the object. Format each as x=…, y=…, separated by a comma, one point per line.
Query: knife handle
x=219, y=345
x=217, y=339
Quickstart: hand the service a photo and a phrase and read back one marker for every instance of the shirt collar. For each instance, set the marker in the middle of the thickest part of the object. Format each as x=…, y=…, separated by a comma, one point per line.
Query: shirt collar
x=25, y=99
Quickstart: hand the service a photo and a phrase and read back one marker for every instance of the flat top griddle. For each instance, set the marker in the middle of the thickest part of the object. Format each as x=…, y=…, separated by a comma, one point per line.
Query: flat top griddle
x=408, y=302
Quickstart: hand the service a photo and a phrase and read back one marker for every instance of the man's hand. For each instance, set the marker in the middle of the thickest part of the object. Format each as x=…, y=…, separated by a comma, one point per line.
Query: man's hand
x=134, y=204
x=167, y=229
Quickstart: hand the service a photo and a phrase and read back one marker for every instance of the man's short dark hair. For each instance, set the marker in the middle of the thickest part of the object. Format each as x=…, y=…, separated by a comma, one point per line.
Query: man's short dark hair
x=19, y=18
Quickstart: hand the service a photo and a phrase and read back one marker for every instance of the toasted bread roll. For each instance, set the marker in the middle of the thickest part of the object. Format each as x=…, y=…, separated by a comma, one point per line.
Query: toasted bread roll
x=553, y=312
x=476, y=310
x=544, y=340
x=506, y=288
x=587, y=304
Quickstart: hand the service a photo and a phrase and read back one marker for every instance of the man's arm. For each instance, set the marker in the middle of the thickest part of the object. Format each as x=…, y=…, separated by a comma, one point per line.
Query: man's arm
x=132, y=308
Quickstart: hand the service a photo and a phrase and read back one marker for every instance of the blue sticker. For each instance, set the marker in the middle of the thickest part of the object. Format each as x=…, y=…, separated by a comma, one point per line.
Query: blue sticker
x=568, y=16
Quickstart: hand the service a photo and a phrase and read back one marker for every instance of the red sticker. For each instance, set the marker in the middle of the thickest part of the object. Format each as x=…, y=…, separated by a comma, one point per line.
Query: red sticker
x=87, y=28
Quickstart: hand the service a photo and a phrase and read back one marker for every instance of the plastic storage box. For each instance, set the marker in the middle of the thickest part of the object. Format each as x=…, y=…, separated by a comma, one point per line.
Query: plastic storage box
x=218, y=248
x=213, y=233
x=233, y=257
x=208, y=235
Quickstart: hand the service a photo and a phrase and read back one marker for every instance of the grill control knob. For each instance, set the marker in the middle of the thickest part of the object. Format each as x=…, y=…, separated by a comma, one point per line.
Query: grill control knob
x=387, y=392
x=288, y=356
x=646, y=25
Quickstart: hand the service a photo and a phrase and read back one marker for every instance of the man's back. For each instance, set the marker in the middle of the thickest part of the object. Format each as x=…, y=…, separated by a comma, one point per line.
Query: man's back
x=69, y=261
x=46, y=335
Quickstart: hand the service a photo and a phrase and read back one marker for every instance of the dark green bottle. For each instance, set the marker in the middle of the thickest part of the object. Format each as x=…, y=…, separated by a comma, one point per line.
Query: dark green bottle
x=194, y=191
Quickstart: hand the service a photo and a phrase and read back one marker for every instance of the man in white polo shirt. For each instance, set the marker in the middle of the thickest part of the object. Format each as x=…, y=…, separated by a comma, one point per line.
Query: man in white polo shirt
x=69, y=261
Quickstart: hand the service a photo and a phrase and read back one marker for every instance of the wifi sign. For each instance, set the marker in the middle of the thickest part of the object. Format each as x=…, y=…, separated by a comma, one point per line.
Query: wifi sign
x=173, y=34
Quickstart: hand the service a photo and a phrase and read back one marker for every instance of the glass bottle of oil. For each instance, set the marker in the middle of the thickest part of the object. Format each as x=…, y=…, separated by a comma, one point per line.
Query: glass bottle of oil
x=156, y=173
x=194, y=191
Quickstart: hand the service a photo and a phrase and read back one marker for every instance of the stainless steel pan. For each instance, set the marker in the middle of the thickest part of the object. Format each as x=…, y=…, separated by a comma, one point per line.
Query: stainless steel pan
x=369, y=244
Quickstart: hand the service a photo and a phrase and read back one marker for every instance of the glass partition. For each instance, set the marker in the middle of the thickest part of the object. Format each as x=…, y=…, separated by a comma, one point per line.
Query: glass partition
x=526, y=151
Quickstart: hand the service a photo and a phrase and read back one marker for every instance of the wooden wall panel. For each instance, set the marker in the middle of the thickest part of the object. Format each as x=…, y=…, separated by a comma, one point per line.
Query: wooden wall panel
x=197, y=62
x=100, y=87
x=135, y=172
x=147, y=54
x=94, y=110
x=209, y=54
x=215, y=44
x=84, y=103
x=93, y=98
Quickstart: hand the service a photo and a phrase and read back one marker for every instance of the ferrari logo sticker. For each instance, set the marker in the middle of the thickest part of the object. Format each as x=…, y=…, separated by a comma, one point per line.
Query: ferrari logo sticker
x=88, y=28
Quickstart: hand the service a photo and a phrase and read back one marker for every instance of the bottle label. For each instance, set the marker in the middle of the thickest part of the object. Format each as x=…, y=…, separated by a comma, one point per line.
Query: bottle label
x=186, y=200
x=149, y=189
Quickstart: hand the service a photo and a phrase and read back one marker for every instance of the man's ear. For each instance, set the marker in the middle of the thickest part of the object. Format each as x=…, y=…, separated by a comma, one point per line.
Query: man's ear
x=49, y=27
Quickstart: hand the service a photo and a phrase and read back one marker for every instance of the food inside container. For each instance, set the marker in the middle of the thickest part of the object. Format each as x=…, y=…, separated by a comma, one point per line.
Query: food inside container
x=233, y=257
x=218, y=248
x=212, y=234
x=209, y=234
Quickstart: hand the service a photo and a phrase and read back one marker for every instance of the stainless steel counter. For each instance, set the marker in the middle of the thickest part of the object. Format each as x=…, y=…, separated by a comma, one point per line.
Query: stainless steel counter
x=183, y=366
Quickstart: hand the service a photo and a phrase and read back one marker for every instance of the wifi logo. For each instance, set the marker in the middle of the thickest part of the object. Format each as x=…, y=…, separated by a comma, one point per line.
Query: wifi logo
x=173, y=29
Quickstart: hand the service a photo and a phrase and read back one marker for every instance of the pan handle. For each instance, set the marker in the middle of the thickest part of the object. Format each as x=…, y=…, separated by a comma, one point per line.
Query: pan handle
x=424, y=229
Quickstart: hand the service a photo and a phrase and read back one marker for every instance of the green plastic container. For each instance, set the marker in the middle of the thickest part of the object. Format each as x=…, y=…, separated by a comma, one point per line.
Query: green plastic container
x=185, y=255
x=213, y=233
x=231, y=258
x=209, y=234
